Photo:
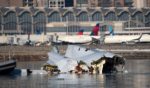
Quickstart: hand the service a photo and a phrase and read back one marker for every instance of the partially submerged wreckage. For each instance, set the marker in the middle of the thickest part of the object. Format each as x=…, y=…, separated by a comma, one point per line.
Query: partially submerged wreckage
x=81, y=59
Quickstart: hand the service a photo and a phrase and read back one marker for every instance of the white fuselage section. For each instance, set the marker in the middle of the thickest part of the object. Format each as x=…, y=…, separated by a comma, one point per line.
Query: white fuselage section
x=108, y=39
x=127, y=38
x=77, y=38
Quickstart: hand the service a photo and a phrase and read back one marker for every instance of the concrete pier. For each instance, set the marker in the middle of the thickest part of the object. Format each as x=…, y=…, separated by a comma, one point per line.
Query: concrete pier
x=32, y=53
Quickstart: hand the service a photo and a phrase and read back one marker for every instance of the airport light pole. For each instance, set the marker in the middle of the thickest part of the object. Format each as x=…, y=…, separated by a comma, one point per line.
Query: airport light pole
x=67, y=25
x=129, y=24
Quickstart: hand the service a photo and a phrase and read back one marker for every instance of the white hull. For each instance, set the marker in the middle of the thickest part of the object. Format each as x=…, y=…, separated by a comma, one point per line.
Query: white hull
x=108, y=39
x=80, y=39
x=77, y=38
x=22, y=39
x=127, y=38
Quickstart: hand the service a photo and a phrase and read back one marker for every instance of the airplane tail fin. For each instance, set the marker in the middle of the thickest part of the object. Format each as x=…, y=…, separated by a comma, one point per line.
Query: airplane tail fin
x=95, y=30
x=80, y=32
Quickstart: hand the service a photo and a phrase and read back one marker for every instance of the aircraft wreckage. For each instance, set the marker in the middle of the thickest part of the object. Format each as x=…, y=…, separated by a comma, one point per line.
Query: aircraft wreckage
x=80, y=59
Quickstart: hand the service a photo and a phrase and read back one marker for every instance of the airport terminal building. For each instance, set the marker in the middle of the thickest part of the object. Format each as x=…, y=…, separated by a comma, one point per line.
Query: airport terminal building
x=33, y=20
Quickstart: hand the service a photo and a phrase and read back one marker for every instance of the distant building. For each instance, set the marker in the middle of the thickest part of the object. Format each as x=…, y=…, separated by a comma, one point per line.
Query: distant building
x=69, y=3
x=41, y=3
x=76, y=3
x=8, y=3
x=148, y=3
x=115, y=3
x=24, y=20
x=95, y=3
x=99, y=3
x=87, y=3
x=29, y=3
x=128, y=3
x=106, y=3
x=19, y=3
x=118, y=3
x=140, y=3
x=81, y=3
x=56, y=3
x=23, y=3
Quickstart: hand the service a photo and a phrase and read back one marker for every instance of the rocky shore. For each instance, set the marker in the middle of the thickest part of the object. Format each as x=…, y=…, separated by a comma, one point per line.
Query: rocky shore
x=32, y=53
x=24, y=53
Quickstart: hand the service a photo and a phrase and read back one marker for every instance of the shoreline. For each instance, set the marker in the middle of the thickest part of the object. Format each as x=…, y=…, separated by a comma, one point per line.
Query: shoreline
x=32, y=53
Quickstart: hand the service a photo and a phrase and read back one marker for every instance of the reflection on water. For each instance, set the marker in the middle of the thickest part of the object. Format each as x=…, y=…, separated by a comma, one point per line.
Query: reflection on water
x=138, y=76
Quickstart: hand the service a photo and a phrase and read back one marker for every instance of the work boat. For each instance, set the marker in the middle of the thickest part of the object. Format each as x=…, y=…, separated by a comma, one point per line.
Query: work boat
x=7, y=66
x=84, y=57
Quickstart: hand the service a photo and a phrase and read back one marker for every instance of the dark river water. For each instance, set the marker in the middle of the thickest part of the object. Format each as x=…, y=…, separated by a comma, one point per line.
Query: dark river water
x=137, y=75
